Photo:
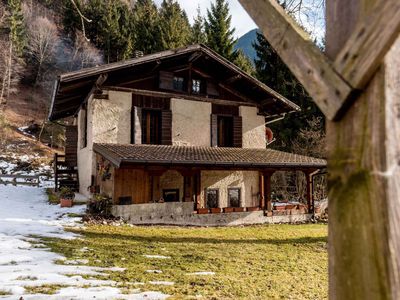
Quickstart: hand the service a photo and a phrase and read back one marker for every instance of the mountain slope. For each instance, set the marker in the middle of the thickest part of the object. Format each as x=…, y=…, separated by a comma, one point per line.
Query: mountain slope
x=245, y=43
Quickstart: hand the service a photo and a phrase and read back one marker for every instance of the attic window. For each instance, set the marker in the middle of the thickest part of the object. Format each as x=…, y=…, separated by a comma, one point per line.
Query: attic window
x=178, y=83
x=196, y=86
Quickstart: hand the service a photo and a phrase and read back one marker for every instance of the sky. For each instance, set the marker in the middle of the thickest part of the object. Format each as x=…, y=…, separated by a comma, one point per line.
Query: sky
x=241, y=21
x=311, y=18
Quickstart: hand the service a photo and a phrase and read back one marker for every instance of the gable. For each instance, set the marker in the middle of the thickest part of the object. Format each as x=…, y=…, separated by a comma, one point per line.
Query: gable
x=202, y=72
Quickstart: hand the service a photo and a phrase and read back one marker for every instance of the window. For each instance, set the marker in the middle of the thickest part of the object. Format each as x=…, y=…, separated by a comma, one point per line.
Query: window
x=196, y=86
x=178, y=83
x=212, y=198
x=171, y=195
x=234, y=197
x=151, y=127
x=225, y=131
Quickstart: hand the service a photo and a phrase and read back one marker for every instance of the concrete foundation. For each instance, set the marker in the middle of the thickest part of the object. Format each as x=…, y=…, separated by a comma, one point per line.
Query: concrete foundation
x=181, y=213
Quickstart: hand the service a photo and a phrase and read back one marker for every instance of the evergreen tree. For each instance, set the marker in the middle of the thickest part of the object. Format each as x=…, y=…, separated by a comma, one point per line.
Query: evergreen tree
x=17, y=27
x=244, y=63
x=198, y=35
x=272, y=71
x=218, y=30
x=147, y=27
x=174, y=24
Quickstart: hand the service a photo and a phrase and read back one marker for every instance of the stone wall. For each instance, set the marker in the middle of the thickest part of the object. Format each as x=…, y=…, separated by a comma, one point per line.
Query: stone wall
x=181, y=213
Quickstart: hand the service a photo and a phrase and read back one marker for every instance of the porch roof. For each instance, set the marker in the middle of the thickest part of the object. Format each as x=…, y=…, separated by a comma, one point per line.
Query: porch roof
x=210, y=157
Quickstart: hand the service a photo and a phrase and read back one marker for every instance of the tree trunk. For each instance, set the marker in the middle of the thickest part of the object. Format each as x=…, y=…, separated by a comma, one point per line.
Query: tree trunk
x=364, y=174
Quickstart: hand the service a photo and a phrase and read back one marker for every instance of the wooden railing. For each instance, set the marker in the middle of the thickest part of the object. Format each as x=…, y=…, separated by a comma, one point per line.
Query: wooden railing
x=64, y=175
x=16, y=179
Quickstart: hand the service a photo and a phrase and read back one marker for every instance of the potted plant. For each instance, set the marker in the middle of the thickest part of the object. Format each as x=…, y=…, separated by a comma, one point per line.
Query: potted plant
x=239, y=209
x=228, y=209
x=202, y=211
x=253, y=208
x=216, y=210
x=67, y=196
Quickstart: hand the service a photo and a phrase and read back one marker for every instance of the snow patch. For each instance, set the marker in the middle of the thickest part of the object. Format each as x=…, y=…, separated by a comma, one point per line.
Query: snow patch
x=157, y=256
x=202, y=273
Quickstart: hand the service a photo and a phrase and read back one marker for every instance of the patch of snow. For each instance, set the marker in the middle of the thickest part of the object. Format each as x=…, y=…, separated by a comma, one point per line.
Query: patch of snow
x=25, y=217
x=202, y=273
x=157, y=256
x=162, y=282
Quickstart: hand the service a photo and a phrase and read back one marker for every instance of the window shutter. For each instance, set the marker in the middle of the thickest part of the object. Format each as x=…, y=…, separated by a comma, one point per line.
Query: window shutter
x=214, y=130
x=166, y=81
x=237, y=132
x=166, y=127
x=136, y=125
x=71, y=145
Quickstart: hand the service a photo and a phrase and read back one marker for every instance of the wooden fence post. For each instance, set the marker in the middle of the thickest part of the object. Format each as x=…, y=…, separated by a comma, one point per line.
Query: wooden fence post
x=364, y=173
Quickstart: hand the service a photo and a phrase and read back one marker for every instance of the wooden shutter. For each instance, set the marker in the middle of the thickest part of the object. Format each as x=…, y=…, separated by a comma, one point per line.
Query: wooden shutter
x=166, y=81
x=166, y=127
x=71, y=146
x=214, y=130
x=237, y=132
x=136, y=125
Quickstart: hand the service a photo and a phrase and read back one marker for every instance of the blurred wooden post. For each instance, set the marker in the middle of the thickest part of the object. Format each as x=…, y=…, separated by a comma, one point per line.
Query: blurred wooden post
x=364, y=177
x=357, y=84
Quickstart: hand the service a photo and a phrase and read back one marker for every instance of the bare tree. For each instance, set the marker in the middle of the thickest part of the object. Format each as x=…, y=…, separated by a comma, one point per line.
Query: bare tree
x=311, y=141
x=43, y=40
x=84, y=54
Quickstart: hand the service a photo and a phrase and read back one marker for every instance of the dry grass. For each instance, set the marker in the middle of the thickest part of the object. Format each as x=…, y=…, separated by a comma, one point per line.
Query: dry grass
x=256, y=262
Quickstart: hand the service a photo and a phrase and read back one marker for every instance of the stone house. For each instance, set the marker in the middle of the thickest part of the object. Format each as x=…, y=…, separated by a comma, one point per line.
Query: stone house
x=174, y=134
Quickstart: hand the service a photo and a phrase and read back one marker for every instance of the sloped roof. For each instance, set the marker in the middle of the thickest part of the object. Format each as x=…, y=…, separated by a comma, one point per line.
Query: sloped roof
x=127, y=154
x=72, y=88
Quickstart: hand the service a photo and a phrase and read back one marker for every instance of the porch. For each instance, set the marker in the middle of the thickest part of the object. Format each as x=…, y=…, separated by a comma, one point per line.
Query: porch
x=152, y=183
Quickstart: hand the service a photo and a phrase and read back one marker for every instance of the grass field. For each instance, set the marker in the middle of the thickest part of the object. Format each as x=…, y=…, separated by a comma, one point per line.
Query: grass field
x=256, y=262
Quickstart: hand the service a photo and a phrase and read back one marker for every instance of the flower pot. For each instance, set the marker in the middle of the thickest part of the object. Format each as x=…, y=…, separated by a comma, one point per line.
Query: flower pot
x=66, y=202
x=255, y=208
x=239, y=209
x=202, y=211
x=216, y=210
x=280, y=207
x=228, y=209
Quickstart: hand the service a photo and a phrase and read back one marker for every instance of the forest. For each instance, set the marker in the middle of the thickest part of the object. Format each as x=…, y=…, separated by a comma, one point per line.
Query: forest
x=44, y=38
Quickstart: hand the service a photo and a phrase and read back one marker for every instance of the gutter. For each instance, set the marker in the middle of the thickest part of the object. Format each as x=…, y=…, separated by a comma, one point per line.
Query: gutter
x=53, y=97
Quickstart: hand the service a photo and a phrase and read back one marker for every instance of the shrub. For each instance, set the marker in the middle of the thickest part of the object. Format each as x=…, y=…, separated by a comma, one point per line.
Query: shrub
x=67, y=193
x=100, y=205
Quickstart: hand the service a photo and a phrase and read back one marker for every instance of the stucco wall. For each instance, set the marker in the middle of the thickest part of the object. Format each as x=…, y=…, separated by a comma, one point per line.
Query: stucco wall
x=253, y=128
x=112, y=118
x=108, y=121
x=247, y=181
x=172, y=180
x=191, y=122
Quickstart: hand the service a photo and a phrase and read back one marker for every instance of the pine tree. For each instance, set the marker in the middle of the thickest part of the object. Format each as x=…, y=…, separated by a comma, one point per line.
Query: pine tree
x=174, y=24
x=218, y=30
x=198, y=35
x=244, y=63
x=17, y=27
x=147, y=27
x=272, y=71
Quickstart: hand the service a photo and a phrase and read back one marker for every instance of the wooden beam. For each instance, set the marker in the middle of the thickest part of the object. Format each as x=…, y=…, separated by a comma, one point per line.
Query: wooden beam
x=305, y=60
x=177, y=96
x=364, y=50
x=233, y=79
x=236, y=93
x=364, y=173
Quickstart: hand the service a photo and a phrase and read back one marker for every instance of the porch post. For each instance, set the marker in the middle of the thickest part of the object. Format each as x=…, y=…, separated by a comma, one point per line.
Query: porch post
x=309, y=191
x=267, y=190
x=261, y=189
x=197, y=189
